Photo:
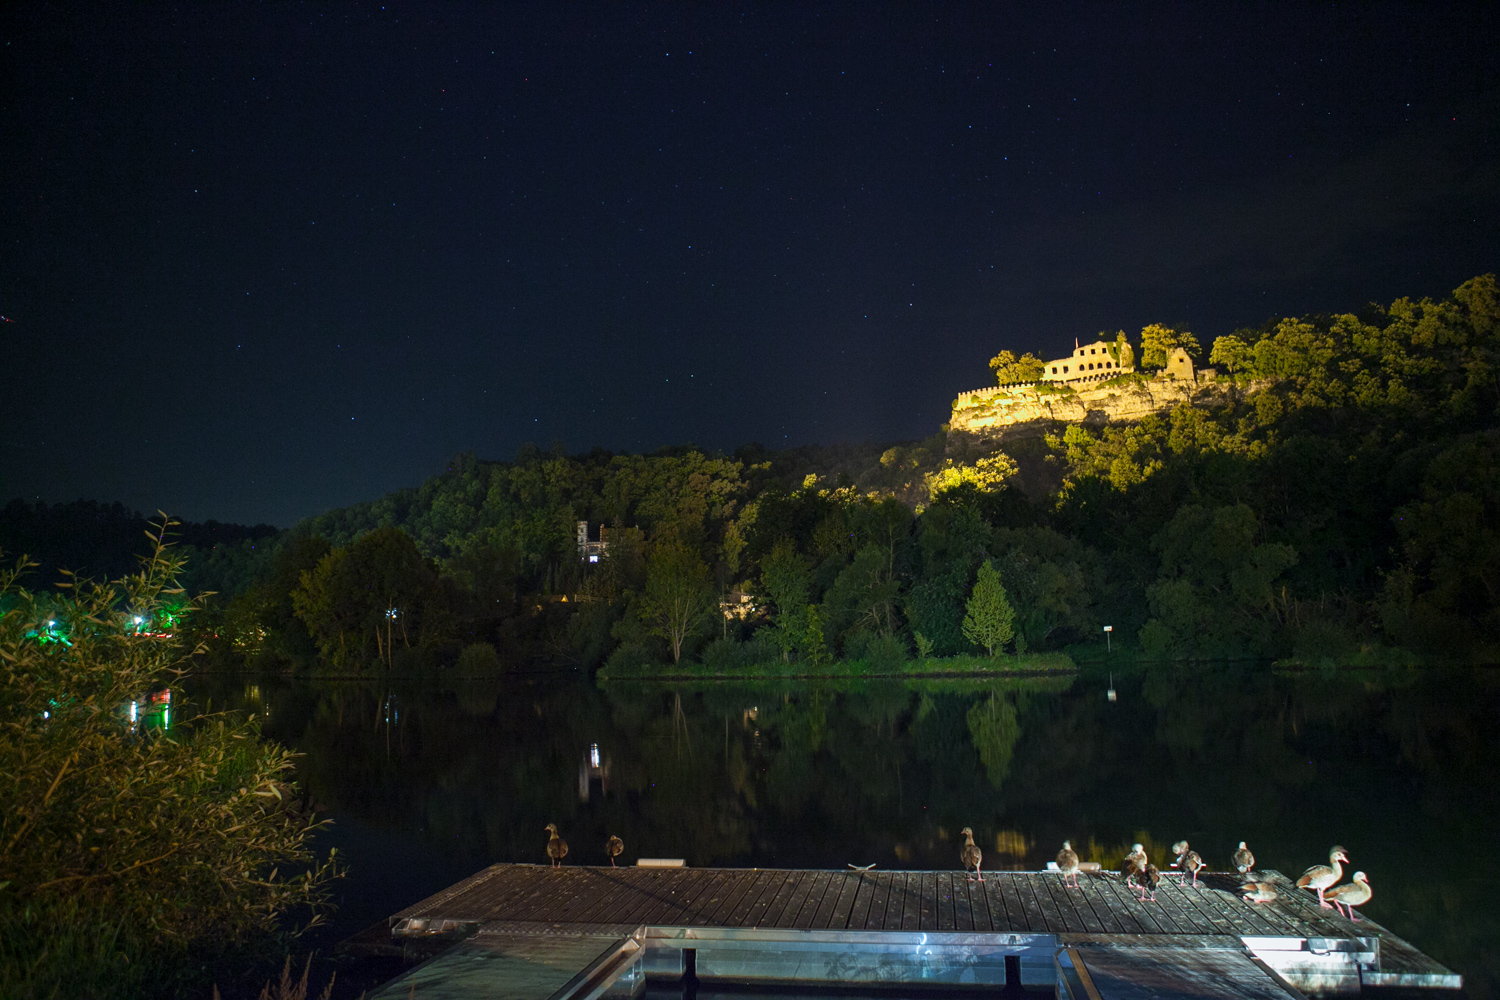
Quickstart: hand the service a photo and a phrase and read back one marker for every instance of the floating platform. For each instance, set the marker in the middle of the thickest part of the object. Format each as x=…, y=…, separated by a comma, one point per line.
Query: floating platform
x=532, y=932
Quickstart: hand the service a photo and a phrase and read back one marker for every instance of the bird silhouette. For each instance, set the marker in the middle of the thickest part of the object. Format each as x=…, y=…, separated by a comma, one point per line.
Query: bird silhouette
x=614, y=847
x=971, y=855
x=1067, y=863
x=1321, y=877
x=557, y=848
x=1351, y=894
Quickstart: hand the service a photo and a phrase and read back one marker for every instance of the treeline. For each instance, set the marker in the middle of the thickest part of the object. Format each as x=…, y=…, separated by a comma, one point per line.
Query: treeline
x=103, y=541
x=1343, y=505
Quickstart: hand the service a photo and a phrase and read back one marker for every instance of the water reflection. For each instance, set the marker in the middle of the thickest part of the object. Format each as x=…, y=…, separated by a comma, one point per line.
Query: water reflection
x=1397, y=767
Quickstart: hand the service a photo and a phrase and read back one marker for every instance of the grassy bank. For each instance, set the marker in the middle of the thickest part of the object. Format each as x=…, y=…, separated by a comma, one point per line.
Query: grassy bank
x=934, y=666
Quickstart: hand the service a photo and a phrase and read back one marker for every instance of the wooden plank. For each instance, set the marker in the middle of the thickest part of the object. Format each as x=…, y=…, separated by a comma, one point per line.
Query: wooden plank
x=532, y=885
x=1102, y=898
x=711, y=896
x=963, y=904
x=875, y=916
x=929, y=903
x=732, y=914
x=783, y=898
x=1175, y=904
x=807, y=897
x=1035, y=919
x=1005, y=907
x=864, y=895
x=1075, y=911
x=695, y=894
x=911, y=912
x=833, y=911
x=650, y=902
x=583, y=906
x=947, y=903
x=1058, y=920
x=753, y=911
x=1108, y=891
x=730, y=895
x=551, y=883
x=623, y=906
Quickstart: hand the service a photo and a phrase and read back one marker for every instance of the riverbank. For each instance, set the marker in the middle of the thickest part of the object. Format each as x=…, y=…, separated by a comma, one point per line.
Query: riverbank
x=957, y=667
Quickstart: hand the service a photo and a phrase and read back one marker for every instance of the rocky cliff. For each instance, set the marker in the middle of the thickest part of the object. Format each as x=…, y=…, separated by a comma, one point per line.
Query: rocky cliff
x=1026, y=410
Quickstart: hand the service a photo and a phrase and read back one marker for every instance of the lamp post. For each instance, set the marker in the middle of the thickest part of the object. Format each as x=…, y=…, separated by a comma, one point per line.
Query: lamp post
x=1107, y=630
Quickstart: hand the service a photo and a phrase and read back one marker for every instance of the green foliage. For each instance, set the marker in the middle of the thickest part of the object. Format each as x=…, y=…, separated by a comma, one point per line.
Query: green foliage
x=478, y=658
x=361, y=600
x=988, y=617
x=1230, y=353
x=995, y=728
x=1216, y=590
x=1158, y=342
x=126, y=847
x=678, y=600
x=1010, y=369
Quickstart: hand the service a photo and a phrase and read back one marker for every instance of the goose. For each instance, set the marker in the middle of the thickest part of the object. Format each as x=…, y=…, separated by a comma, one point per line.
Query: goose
x=1067, y=863
x=614, y=847
x=557, y=848
x=1133, y=865
x=1143, y=880
x=1259, y=892
x=1178, y=850
x=1243, y=860
x=1351, y=894
x=1192, y=864
x=1320, y=877
x=971, y=855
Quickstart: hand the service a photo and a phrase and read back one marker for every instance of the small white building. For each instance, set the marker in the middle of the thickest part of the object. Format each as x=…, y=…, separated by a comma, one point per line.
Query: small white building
x=1091, y=362
x=592, y=550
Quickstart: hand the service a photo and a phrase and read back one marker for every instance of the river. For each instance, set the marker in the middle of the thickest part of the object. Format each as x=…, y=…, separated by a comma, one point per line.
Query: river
x=428, y=781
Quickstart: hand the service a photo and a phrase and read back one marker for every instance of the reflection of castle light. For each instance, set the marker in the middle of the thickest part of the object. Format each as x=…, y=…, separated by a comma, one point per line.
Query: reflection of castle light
x=594, y=767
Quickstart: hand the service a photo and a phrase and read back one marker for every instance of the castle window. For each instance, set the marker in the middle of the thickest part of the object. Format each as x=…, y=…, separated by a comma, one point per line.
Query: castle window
x=1065, y=369
x=1054, y=369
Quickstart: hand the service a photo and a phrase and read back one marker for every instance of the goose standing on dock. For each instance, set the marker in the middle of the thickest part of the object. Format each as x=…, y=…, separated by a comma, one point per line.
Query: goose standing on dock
x=1178, y=850
x=1133, y=866
x=614, y=847
x=1351, y=894
x=1321, y=877
x=1243, y=860
x=1150, y=879
x=557, y=848
x=1259, y=892
x=1067, y=863
x=971, y=855
x=1192, y=864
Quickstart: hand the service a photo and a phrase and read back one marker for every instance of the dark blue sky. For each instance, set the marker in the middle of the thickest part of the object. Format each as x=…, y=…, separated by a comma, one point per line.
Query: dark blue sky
x=267, y=259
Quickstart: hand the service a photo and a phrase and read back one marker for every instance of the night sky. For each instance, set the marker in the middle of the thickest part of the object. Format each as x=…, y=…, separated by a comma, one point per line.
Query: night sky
x=263, y=260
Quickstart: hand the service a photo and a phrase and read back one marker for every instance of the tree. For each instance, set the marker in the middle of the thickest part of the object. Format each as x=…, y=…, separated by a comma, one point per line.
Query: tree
x=988, y=473
x=989, y=620
x=1010, y=369
x=784, y=575
x=1231, y=352
x=377, y=589
x=678, y=599
x=127, y=846
x=1158, y=342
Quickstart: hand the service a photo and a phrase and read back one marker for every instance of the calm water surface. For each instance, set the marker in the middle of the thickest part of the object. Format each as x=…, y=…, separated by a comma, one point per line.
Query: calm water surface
x=429, y=781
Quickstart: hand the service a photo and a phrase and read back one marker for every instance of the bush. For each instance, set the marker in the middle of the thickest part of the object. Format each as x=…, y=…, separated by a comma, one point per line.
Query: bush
x=479, y=658
x=728, y=656
x=127, y=845
x=629, y=658
x=882, y=655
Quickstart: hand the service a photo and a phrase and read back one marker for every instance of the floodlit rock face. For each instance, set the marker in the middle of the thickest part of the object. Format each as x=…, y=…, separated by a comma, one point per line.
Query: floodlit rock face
x=1018, y=409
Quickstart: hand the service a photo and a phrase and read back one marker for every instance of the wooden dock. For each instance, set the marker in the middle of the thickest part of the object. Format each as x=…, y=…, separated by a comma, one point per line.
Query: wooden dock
x=865, y=928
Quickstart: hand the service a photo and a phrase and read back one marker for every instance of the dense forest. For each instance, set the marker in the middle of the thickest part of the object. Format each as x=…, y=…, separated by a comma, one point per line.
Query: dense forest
x=1342, y=505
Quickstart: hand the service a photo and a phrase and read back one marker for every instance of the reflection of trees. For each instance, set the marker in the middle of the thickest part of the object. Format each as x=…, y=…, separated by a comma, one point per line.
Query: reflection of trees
x=993, y=725
x=783, y=773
